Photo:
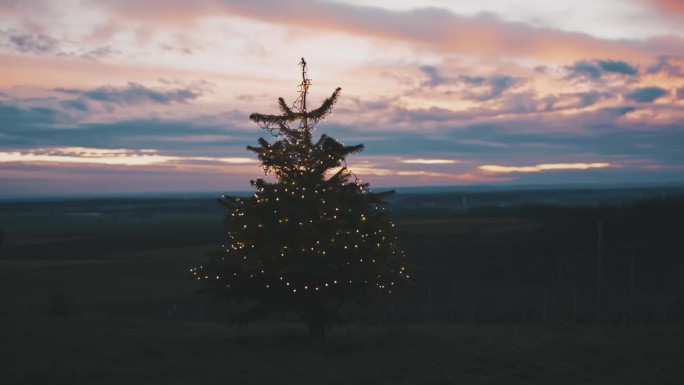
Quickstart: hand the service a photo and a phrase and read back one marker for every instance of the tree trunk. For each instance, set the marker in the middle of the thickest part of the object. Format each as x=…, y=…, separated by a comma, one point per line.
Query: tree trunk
x=317, y=318
x=317, y=332
x=471, y=303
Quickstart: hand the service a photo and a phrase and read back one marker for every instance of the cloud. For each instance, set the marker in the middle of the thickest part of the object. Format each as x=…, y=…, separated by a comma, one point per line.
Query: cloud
x=616, y=112
x=171, y=47
x=512, y=106
x=434, y=76
x=584, y=69
x=473, y=80
x=433, y=28
x=41, y=127
x=646, y=94
x=134, y=94
x=41, y=44
x=500, y=83
x=594, y=69
x=664, y=65
x=412, y=176
x=668, y=7
x=429, y=161
x=75, y=104
x=181, y=146
x=589, y=98
x=48, y=178
x=487, y=88
x=680, y=93
x=34, y=44
x=15, y=119
x=100, y=52
x=123, y=157
x=617, y=66
x=110, y=157
x=542, y=167
x=481, y=88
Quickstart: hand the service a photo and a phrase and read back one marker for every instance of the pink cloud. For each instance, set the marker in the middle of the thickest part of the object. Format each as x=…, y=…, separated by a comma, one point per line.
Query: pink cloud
x=47, y=178
x=542, y=167
x=669, y=6
x=429, y=161
x=432, y=28
x=113, y=157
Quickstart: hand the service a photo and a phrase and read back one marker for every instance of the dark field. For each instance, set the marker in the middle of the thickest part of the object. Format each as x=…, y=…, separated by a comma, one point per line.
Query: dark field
x=98, y=291
x=104, y=350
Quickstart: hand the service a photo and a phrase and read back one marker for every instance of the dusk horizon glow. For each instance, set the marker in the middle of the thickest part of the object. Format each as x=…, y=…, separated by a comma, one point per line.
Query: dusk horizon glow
x=108, y=97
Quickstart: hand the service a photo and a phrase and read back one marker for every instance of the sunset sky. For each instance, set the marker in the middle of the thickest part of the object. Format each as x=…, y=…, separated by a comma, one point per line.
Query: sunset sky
x=102, y=96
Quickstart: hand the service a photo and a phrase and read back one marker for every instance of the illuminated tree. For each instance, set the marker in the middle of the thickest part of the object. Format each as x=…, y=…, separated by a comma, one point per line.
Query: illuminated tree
x=314, y=238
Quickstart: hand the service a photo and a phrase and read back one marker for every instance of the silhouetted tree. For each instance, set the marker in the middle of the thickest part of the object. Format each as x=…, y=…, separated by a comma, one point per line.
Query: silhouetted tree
x=313, y=238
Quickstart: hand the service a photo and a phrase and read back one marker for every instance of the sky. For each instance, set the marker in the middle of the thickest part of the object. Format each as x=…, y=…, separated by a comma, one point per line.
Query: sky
x=102, y=96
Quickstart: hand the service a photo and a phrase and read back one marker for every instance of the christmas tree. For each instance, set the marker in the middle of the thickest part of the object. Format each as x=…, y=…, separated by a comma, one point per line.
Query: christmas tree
x=312, y=239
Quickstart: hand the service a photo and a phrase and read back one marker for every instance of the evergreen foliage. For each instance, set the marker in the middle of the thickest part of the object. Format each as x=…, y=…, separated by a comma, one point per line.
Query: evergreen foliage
x=312, y=239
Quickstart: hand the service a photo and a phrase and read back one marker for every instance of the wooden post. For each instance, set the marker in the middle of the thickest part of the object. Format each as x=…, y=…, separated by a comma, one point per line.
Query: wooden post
x=599, y=261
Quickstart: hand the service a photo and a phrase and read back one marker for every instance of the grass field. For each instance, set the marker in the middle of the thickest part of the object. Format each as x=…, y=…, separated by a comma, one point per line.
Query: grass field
x=86, y=302
x=96, y=347
x=103, y=350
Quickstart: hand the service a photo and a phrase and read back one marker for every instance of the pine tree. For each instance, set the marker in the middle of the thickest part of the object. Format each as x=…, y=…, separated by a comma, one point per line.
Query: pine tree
x=314, y=238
